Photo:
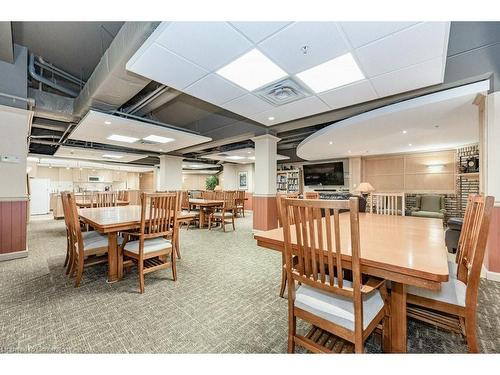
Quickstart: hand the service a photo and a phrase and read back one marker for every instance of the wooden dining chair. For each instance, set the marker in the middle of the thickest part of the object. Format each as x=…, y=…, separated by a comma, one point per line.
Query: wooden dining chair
x=464, y=233
x=186, y=215
x=224, y=214
x=341, y=309
x=104, y=199
x=311, y=195
x=154, y=248
x=454, y=306
x=240, y=202
x=87, y=250
x=279, y=206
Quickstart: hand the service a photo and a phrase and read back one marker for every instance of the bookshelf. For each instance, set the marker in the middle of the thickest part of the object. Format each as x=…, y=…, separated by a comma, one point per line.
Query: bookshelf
x=288, y=181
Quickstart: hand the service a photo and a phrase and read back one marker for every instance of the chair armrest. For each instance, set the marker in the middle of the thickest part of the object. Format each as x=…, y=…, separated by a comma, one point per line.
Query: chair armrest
x=371, y=285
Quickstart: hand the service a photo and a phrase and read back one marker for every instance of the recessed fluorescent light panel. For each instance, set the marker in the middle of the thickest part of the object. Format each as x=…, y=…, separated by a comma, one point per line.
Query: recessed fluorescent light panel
x=122, y=138
x=158, y=139
x=252, y=70
x=331, y=74
x=111, y=156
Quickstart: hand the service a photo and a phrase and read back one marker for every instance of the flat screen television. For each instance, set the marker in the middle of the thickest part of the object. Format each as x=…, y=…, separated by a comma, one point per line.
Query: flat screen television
x=324, y=174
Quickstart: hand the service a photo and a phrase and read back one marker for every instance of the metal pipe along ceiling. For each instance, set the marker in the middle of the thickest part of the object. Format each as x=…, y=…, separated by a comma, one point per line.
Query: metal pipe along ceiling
x=46, y=81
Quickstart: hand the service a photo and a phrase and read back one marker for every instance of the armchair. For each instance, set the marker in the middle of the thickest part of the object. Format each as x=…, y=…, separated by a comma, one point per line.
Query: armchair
x=429, y=206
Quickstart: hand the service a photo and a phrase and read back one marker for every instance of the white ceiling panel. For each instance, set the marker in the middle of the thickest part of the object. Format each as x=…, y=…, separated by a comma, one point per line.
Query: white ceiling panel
x=214, y=89
x=167, y=67
x=247, y=105
x=92, y=128
x=258, y=31
x=438, y=121
x=92, y=154
x=323, y=39
x=414, y=77
x=408, y=47
x=300, y=108
x=354, y=93
x=361, y=33
x=220, y=42
x=394, y=57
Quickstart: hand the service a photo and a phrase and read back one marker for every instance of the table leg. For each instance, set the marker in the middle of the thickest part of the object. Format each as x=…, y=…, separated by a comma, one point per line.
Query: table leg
x=398, y=318
x=112, y=258
x=202, y=217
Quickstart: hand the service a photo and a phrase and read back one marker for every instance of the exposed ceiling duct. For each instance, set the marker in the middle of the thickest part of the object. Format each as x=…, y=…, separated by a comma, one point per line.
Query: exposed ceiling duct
x=52, y=106
x=111, y=85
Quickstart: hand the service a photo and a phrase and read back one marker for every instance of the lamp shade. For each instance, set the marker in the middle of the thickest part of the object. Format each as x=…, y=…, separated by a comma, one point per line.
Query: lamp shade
x=364, y=187
x=218, y=188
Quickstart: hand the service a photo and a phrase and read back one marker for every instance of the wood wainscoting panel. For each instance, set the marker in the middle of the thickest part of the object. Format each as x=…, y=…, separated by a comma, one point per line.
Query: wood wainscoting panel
x=13, y=226
x=249, y=201
x=265, y=213
x=492, y=258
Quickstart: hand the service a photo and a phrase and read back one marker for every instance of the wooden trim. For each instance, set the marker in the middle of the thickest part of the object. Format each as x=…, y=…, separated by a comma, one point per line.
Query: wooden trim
x=13, y=226
x=13, y=255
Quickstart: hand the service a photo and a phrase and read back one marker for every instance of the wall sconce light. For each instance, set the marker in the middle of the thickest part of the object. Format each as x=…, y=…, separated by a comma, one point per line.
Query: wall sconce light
x=435, y=167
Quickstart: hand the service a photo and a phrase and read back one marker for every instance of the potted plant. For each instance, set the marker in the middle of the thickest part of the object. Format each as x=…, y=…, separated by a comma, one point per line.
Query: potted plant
x=212, y=182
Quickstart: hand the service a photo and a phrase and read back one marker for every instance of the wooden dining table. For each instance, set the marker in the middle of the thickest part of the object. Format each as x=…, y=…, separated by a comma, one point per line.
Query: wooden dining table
x=202, y=204
x=405, y=250
x=111, y=221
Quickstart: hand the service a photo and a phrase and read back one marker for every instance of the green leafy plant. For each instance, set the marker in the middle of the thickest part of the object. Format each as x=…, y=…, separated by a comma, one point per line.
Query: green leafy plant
x=212, y=182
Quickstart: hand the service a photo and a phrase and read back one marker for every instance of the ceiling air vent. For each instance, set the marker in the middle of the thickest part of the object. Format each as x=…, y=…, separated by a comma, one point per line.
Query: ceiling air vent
x=144, y=142
x=282, y=92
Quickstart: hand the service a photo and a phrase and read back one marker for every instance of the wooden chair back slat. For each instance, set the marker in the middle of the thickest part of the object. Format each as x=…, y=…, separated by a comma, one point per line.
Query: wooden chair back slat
x=104, y=199
x=279, y=205
x=387, y=204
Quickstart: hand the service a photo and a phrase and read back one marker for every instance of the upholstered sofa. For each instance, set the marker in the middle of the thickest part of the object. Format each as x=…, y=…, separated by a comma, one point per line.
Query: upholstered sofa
x=429, y=206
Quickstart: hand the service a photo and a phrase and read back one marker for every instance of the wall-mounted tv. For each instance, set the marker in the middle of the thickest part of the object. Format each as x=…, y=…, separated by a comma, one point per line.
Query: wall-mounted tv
x=324, y=174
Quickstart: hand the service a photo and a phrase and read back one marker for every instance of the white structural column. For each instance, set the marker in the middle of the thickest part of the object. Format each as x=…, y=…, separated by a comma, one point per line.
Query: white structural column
x=170, y=173
x=265, y=215
x=229, y=181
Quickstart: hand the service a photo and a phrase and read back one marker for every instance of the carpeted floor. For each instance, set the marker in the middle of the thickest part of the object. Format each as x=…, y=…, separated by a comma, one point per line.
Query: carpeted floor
x=224, y=301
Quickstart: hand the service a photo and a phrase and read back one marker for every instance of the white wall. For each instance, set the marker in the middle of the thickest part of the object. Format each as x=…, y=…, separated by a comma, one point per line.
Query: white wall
x=14, y=127
x=230, y=176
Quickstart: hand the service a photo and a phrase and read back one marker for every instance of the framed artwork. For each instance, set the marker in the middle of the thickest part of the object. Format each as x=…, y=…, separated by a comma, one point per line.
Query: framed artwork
x=243, y=180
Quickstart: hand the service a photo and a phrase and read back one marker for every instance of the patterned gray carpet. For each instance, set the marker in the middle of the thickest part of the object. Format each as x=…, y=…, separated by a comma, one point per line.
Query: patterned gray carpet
x=224, y=301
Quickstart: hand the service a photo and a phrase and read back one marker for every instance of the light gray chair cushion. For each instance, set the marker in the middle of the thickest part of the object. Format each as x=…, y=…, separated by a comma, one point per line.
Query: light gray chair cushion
x=92, y=234
x=219, y=214
x=452, y=269
x=98, y=241
x=452, y=291
x=150, y=245
x=337, y=309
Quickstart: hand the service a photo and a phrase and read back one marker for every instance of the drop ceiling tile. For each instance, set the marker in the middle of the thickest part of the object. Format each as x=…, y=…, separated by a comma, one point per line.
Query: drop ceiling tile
x=361, y=33
x=419, y=43
x=247, y=105
x=323, y=39
x=210, y=45
x=215, y=89
x=345, y=96
x=291, y=111
x=411, y=78
x=165, y=67
x=258, y=31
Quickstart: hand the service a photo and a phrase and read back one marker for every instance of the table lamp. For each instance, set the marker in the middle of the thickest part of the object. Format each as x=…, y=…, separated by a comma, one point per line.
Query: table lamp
x=364, y=188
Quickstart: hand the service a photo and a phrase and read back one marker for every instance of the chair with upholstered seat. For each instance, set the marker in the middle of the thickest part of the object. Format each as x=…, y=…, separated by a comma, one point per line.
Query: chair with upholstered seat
x=225, y=214
x=429, y=206
x=279, y=206
x=68, y=262
x=341, y=309
x=154, y=249
x=454, y=306
x=87, y=250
